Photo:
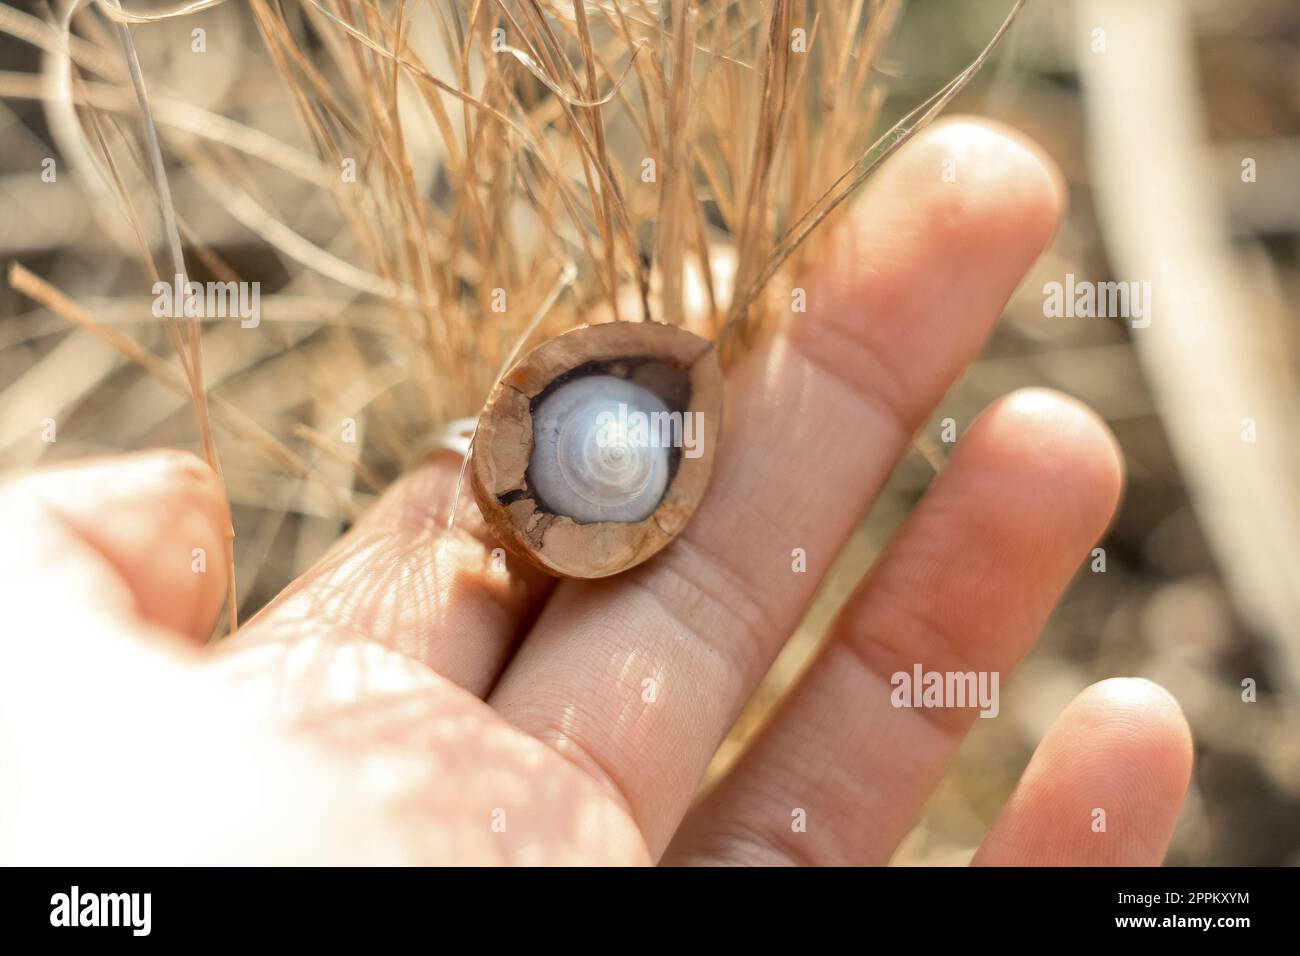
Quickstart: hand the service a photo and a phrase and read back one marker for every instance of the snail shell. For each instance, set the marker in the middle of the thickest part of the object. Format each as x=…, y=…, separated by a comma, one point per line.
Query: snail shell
x=563, y=468
x=586, y=464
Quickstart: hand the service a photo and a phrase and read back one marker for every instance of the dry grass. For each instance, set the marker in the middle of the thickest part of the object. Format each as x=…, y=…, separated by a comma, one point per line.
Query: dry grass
x=566, y=160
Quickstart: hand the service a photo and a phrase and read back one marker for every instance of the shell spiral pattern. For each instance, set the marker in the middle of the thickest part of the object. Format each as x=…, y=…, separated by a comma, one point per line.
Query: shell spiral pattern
x=588, y=463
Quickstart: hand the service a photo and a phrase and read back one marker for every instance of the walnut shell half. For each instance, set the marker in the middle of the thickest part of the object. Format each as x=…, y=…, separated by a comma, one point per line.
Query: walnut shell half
x=682, y=372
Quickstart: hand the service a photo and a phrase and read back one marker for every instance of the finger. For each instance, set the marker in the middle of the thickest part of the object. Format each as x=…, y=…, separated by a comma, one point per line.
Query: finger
x=638, y=678
x=452, y=600
x=1105, y=786
x=156, y=524
x=965, y=587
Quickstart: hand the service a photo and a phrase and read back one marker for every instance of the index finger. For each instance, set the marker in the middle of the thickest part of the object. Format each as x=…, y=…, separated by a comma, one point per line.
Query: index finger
x=449, y=598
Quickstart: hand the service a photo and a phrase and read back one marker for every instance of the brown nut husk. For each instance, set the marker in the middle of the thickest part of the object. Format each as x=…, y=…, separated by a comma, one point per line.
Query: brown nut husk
x=678, y=366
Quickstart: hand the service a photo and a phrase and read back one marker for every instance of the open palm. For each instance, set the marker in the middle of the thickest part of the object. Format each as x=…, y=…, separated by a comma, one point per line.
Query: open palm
x=408, y=701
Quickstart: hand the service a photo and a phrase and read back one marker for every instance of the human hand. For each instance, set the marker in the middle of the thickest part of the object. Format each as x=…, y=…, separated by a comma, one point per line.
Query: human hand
x=405, y=702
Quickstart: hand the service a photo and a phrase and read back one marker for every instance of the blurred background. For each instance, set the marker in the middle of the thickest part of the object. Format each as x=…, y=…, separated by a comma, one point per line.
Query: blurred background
x=1177, y=125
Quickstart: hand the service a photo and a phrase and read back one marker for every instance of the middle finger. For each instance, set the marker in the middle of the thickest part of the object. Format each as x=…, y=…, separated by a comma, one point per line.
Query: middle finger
x=638, y=678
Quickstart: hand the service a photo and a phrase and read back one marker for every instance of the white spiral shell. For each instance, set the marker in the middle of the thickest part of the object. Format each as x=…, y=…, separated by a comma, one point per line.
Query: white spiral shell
x=585, y=463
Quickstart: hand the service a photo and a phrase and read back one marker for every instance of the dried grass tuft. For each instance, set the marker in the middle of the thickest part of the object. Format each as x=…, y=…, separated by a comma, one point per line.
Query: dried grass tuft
x=478, y=173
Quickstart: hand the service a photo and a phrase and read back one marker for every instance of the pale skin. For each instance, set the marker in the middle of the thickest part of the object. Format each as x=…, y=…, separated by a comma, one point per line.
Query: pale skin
x=405, y=702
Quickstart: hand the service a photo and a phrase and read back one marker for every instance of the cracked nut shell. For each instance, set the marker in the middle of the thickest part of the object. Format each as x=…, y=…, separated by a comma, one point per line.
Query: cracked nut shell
x=679, y=371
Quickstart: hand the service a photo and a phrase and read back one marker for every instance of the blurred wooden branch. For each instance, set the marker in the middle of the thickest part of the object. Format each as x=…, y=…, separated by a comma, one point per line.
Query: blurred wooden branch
x=1210, y=352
